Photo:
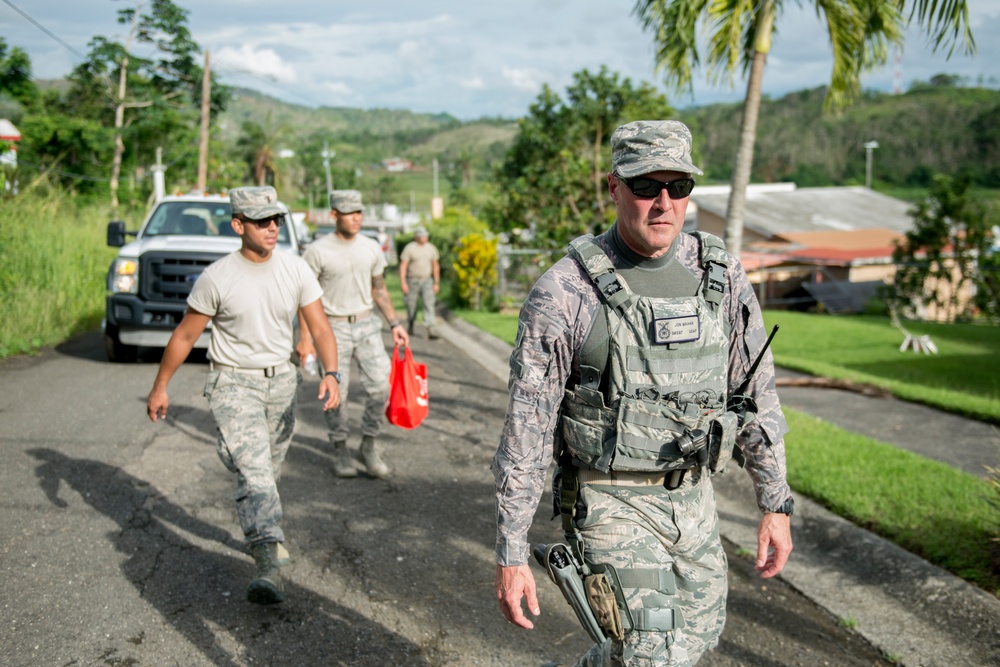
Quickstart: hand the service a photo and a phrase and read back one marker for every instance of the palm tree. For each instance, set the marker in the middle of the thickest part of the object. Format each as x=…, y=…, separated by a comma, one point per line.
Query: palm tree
x=259, y=145
x=740, y=31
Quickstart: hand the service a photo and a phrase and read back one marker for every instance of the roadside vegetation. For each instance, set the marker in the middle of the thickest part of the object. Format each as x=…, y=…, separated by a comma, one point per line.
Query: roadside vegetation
x=53, y=266
x=949, y=518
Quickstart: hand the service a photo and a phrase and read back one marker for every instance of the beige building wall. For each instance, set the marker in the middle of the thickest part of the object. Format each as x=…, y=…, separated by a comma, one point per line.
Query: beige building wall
x=715, y=224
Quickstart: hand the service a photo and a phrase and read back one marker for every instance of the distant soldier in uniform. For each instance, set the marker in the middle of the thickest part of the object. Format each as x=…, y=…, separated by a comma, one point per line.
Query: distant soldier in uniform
x=627, y=353
x=251, y=297
x=420, y=278
x=351, y=270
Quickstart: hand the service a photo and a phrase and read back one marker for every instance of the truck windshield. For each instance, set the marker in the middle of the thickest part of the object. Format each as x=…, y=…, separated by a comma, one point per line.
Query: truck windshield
x=175, y=218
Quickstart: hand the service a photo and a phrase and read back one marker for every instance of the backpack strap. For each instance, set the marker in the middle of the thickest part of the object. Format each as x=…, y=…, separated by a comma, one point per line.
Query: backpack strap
x=614, y=291
x=715, y=259
x=591, y=257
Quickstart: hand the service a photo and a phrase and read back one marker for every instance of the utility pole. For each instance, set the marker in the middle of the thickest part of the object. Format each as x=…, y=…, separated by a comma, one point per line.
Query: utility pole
x=327, y=154
x=159, y=188
x=437, y=204
x=206, y=93
x=869, y=147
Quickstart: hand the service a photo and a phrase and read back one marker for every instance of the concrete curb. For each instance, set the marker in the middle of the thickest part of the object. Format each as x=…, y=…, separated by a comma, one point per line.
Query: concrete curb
x=911, y=610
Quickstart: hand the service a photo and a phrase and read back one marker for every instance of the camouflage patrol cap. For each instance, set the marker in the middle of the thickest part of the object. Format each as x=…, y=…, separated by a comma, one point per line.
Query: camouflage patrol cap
x=255, y=203
x=645, y=146
x=346, y=201
x=420, y=231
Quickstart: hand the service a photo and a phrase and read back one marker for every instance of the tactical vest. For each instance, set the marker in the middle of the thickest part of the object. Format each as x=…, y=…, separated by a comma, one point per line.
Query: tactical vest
x=664, y=403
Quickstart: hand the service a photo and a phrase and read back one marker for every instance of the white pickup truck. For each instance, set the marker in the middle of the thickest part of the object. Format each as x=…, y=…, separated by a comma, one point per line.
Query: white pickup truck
x=149, y=281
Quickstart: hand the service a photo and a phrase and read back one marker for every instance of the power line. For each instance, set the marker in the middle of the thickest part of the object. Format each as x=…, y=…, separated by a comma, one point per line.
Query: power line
x=268, y=80
x=79, y=177
x=45, y=30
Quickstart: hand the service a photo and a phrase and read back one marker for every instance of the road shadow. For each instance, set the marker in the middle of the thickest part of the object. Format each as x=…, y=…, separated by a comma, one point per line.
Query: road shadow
x=89, y=346
x=200, y=591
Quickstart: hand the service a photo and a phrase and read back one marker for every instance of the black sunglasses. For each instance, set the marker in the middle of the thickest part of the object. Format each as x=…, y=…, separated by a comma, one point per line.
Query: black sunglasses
x=265, y=223
x=647, y=188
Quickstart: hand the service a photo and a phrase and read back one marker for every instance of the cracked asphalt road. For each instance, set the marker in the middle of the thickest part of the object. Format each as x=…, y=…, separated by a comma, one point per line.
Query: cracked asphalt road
x=121, y=545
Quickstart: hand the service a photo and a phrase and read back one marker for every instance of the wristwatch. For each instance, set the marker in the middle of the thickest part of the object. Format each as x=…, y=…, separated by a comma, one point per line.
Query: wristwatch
x=786, y=507
x=335, y=374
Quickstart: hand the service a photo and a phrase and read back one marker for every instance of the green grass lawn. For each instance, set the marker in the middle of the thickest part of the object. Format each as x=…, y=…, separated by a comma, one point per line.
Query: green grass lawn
x=963, y=377
x=946, y=517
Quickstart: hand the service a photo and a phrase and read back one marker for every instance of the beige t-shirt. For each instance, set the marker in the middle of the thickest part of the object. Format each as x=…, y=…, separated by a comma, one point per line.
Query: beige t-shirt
x=420, y=258
x=252, y=306
x=345, y=270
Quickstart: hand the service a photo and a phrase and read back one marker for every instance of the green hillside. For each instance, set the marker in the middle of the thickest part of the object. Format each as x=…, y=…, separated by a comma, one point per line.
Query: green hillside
x=932, y=128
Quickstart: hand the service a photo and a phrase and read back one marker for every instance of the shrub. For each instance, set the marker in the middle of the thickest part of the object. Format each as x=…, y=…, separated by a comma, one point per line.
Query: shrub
x=475, y=268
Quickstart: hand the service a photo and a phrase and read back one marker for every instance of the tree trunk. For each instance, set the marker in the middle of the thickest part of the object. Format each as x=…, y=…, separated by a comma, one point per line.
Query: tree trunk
x=116, y=162
x=748, y=134
x=206, y=94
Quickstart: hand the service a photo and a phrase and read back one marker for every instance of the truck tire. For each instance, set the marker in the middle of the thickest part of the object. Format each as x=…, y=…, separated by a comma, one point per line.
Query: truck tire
x=117, y=351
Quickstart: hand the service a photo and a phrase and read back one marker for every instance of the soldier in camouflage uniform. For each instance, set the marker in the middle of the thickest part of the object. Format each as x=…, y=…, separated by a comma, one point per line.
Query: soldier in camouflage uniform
x=251, y=297
x=628, y=353
x=351, y=270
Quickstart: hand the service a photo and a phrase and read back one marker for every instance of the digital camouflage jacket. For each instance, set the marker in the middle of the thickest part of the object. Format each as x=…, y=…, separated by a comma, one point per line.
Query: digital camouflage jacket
x=553, y=326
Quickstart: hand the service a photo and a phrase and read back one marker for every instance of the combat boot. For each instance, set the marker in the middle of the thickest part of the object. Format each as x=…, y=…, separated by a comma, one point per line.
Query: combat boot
x=267, y=587
x=343, y=465
x=410, y=327
x=369, y=454
x=432, y=333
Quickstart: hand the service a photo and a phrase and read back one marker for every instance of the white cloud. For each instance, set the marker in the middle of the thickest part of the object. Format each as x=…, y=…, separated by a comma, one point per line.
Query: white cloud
x=467, y=59
x=337, y=88
x=523, y=78
x=263, y=62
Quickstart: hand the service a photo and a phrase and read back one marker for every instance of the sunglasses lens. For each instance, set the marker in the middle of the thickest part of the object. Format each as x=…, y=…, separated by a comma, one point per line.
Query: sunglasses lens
x=647, y=187
x=264, y=224
x=680, y=189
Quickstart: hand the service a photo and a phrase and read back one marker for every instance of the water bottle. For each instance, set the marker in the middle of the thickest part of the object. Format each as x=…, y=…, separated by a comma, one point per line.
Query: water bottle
x=310, y=366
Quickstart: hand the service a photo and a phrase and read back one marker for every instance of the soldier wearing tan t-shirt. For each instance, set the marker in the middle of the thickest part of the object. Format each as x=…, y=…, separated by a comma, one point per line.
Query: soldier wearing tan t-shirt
x=420, y=278
x=351, y=270
x=251, y=297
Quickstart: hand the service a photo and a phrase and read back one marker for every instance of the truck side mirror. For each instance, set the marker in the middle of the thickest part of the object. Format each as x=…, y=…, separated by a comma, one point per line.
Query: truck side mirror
x=116, y=233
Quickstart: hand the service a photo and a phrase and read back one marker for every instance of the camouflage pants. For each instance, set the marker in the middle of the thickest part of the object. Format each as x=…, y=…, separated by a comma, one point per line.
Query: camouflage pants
x=422, y=289
x=361, y=340
x=632, y=527
x=256, y=419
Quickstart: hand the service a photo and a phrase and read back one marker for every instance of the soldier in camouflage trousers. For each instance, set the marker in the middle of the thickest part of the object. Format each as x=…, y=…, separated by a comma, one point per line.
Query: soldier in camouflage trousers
x=628, y=353
x=351, y=270
x=252, y=297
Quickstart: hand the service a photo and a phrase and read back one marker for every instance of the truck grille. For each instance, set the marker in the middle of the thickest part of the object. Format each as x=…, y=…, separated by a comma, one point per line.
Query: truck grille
x=170, y=276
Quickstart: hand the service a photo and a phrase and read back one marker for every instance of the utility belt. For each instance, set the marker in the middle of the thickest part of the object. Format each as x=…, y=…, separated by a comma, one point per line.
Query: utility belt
x=363, y=315
x=269, y=372
x=633, y=479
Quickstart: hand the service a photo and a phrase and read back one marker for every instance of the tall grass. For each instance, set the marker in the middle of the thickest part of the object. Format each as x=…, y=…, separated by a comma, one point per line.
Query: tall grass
x=53, y=265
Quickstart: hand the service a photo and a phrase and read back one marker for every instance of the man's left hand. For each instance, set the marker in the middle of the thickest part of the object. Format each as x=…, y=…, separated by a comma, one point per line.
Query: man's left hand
x=774, y=543
x=329, y=388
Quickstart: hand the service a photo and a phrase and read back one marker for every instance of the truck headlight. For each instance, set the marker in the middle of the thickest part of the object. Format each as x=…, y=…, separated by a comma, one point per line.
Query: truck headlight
x=124, y=276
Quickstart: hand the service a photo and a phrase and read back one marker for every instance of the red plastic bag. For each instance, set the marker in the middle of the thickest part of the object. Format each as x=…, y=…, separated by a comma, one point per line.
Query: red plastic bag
x=408, y=402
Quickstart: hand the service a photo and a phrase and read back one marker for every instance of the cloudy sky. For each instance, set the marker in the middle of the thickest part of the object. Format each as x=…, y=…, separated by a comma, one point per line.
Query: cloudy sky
x=465, y=58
